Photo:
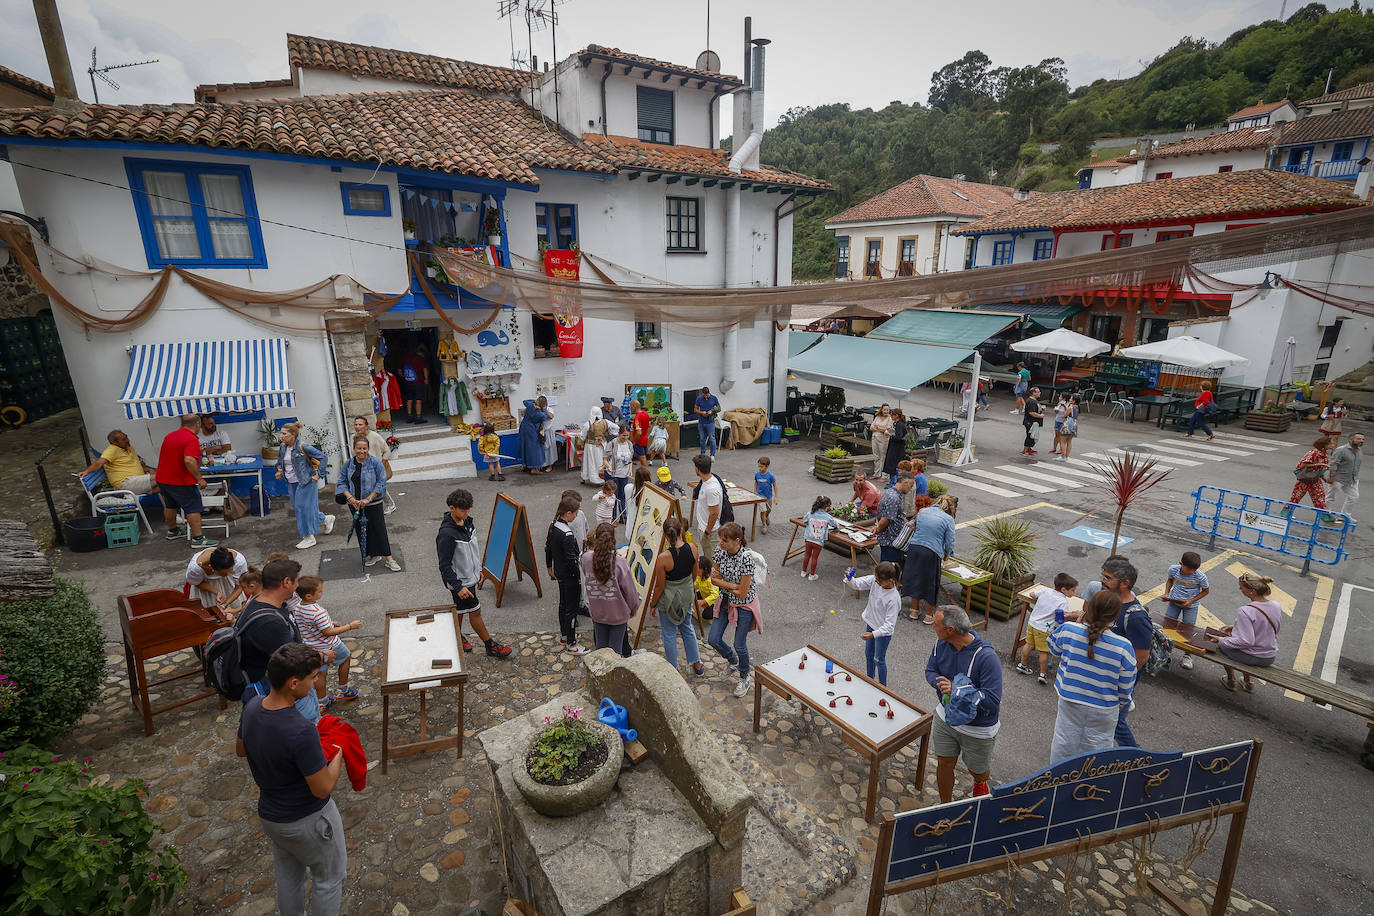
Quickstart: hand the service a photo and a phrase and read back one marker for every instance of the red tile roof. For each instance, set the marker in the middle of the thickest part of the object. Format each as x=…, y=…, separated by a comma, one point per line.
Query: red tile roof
x=927, y=195
x=1336, y=125
x=1116, y=163
x=26, y=83
x=1362, y=91
x=631, y=154
x=1231, y=141
x=1201, y=197
x=450, y=131
x=636, y=61
x=206, y=92
x=408, y=66
x=1259, y=108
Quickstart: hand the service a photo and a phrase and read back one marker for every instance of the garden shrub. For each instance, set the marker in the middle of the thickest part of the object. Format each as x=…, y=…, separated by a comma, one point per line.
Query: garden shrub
x=67, y=846
x=51, y=648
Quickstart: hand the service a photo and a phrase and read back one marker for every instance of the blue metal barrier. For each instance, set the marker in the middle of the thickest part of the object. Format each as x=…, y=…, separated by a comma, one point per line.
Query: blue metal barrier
x=1313, y=535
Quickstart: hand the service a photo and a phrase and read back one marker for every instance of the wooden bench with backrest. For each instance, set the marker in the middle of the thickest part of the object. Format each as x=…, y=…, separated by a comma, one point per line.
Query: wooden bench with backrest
x=156, y=623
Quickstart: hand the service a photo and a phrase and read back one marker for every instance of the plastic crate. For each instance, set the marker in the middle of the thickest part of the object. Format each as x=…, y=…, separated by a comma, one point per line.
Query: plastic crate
x=121, y=529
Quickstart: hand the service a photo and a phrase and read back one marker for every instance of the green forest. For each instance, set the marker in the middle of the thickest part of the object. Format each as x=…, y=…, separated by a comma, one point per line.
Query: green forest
x=985, y=122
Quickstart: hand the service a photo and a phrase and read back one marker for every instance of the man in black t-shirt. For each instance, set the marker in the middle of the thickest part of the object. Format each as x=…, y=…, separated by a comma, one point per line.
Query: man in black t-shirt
x=1032, y=418
x=266, y=626
x=288, y=764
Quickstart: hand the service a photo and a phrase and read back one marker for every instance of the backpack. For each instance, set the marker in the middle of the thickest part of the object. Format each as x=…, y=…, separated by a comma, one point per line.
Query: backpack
x=727, y=511
x=760, y=568
x=1161, y=651
x=222, y=656
x=962, y=707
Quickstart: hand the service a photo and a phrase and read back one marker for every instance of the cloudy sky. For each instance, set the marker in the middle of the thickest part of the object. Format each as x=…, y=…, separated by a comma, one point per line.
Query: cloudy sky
x=866, y=53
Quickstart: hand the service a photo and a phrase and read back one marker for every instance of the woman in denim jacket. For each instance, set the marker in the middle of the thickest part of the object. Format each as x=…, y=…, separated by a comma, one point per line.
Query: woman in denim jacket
x=362, y=484
x=293, y=466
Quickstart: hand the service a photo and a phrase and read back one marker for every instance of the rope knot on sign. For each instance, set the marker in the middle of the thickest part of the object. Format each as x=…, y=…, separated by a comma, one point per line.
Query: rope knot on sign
x=1220, y=764
x=1090, y=793
x=943, y=826
x=1021, y=814
x=1155, y=779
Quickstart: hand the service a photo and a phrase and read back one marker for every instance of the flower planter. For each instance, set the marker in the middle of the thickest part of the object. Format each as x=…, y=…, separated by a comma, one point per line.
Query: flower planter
x=1268, y=422
x=947, y=455
x=829, y=438
x=1003, y=596
x=833, y=470
x=565, y=801
x=269, y=453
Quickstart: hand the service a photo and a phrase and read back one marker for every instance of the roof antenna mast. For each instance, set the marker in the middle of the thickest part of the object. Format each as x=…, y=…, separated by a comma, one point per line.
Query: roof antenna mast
x=95, y=70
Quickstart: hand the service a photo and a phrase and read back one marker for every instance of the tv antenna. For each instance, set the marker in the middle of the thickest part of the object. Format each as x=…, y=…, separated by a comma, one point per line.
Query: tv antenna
x=95, y=70
x=539, y=15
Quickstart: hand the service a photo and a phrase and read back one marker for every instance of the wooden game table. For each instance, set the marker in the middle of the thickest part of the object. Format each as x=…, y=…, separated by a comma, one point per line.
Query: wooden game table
x=1026, y=598
x=873, y=720
x=849, y=538
x=422, y=650
x=968, y=575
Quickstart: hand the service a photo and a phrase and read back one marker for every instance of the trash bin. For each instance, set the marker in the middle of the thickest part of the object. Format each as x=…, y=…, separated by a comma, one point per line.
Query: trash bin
x=84, y=535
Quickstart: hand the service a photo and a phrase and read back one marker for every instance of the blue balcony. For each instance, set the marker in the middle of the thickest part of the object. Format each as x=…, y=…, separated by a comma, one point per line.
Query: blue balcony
x=1339, y=170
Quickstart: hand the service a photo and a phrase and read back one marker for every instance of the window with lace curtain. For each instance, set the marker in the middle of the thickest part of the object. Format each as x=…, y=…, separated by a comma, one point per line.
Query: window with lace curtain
x=195, y=214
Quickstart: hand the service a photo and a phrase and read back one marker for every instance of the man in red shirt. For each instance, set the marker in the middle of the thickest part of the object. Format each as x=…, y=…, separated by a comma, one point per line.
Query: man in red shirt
x=179, y=480
x=640, y=437
x=415, y=383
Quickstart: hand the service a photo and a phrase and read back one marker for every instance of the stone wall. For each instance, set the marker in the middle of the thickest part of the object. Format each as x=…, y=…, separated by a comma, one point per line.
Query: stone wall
x=355, y=381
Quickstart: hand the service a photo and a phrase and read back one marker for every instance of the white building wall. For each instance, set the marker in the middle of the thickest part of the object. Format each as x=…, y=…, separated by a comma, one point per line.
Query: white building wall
x=332, y=82
x=224, y=96
x=97, y=221
x=950, y=255
x=579, y=102
x=1188, y=166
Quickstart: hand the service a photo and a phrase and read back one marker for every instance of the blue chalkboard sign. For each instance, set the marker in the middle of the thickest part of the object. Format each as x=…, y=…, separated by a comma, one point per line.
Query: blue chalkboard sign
x=1085, y=801
x=508, y=537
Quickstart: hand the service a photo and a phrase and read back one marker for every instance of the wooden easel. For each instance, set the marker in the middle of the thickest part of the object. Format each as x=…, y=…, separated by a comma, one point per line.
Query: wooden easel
x=508, y=538
x=645, y=537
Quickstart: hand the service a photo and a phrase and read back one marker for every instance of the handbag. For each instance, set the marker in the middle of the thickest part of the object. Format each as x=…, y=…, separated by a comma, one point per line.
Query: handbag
x=1309, y=474
x=904, y=536
x=234, y=508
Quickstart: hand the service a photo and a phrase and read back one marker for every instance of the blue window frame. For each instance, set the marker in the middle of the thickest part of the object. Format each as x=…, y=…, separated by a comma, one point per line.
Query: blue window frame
x=556, y=225
x=1341, y=152
x=1001, y=253
x=365, y=199
x=1044, y=249
x=196, y=214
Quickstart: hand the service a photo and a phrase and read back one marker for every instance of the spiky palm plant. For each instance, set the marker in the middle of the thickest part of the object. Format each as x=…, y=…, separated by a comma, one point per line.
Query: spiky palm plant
x=1126, y=482
x=1006, y=548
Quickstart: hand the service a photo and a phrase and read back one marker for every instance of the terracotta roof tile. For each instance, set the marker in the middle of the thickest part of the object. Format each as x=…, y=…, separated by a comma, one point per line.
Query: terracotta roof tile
x=629, y=153
x=1115, y=163
x=1229, y=194
x=409, y=66
x=448, y=131
x=625, y=57
x=927, y=195
x=1362, y=91
x=26, y=83
x=1259, y=108
x=1225, y=142
x=206, y=92
x=1337, y=125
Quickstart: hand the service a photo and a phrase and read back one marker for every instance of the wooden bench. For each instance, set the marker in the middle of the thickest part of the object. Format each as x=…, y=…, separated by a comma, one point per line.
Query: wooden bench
x=156, y=623
x=1305, y=684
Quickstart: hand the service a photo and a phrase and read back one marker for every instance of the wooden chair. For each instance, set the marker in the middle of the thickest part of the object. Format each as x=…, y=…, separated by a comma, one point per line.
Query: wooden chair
x=156, y=623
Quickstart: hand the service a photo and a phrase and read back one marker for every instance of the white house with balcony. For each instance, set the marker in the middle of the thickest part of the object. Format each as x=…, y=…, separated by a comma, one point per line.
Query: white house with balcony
x=1334, y=145
x=275, y=186
x=1327, y=342
x=1263, y=114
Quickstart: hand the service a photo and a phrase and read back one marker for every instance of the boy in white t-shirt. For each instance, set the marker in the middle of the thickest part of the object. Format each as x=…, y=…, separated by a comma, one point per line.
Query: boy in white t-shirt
x=1051, y=609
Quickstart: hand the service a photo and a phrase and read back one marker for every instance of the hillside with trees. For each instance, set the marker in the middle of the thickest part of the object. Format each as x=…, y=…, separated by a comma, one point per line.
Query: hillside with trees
x=985, y=122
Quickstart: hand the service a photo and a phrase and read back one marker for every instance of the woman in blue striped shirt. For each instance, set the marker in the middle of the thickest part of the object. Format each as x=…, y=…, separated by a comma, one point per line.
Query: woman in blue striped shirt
x=1095, y=679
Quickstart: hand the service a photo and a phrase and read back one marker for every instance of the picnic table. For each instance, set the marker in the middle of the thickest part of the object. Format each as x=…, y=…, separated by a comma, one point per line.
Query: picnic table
x=847, y=537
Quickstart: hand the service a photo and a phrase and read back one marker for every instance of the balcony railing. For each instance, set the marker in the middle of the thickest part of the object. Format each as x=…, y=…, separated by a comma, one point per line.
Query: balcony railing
x=1339, y=170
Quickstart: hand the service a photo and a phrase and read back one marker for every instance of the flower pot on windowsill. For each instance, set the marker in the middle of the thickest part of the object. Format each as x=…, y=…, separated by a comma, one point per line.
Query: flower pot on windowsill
x=410, y=235
x=494, y=240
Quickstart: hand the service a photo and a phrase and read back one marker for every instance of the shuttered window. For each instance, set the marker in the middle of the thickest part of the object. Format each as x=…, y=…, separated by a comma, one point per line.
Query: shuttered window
x=655, y=115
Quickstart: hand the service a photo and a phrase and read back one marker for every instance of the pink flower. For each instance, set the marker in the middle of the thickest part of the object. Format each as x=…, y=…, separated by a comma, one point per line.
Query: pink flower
x=153, y=876
x=104, y=842
x=548, y=720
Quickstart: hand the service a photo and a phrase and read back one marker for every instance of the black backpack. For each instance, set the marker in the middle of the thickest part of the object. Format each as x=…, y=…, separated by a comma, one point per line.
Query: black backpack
x=727, y=511
x=222, y=656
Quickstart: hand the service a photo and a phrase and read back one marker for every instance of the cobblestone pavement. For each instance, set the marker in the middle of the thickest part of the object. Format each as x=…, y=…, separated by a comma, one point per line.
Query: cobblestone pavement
x=22, y=447
x=423, y=838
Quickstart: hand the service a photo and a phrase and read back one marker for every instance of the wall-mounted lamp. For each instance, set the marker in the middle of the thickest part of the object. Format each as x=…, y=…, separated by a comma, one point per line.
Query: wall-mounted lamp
x=1270, y=282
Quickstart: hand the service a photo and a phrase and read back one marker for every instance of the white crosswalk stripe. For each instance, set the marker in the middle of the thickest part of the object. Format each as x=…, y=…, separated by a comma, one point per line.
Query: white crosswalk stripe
x=1084, y=470
x=1255, y=440
x=1161, y=465
x=954, y=480
x=1003, y=478
x=1183, y=452
x=1041, y=476
x=1212, y=448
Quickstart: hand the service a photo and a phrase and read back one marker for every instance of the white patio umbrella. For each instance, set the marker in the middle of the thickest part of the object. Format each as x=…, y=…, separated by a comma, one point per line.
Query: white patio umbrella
x=1062, y=342
x=1187, y=351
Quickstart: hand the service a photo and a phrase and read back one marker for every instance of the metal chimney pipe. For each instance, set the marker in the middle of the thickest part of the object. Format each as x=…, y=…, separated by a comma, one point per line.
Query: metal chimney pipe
x=59, y=64
x=757, y=81
x=748, y=48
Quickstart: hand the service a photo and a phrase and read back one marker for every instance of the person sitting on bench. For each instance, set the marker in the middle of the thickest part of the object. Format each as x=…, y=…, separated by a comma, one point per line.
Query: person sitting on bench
x=123, y=467
x=1254, y=638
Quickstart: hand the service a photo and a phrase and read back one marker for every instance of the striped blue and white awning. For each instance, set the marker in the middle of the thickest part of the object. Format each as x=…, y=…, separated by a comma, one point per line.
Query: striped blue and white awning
x=166, y=380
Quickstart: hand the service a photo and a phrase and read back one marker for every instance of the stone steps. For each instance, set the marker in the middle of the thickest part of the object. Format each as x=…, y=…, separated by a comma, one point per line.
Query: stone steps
x=431, y=452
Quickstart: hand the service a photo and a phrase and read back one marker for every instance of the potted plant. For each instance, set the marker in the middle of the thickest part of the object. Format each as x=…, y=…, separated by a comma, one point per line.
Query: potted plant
x=1125, y=483
x=834, y=465
x=1006, y=548
x=570, y=765
x=830, y=435
x=950, y=450
x=1271, y=418
x=491, y=226
x=408, y=227
x=271, y=439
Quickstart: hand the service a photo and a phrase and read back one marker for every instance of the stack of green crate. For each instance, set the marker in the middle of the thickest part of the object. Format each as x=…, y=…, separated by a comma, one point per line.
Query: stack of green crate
x=33, y=371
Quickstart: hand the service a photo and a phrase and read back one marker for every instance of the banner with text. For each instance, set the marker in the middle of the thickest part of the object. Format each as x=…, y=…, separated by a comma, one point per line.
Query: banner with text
x=567, y=307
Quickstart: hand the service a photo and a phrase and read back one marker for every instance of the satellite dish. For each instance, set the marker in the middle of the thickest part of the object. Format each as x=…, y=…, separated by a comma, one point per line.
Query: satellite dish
x=708, y=60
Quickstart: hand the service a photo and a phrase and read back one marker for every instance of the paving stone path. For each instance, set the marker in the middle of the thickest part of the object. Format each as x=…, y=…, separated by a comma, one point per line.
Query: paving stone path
x=423, y=839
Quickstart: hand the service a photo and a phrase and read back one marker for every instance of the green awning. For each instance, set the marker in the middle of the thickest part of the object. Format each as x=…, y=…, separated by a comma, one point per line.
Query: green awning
x=885, y=365
x=1045, y=316
x=950, y=329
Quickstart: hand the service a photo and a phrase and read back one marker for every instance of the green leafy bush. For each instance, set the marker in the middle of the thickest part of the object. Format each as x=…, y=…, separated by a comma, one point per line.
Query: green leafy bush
x=835, y=453
x=67, y=846
x=51, y=648
x=560, y=746
x=935, y=488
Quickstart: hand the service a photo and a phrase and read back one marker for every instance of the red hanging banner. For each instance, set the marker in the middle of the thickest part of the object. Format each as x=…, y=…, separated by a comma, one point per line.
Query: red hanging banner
x=567, y=312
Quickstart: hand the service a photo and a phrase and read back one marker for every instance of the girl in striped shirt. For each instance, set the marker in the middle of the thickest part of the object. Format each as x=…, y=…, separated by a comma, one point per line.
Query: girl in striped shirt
x=1096, y=676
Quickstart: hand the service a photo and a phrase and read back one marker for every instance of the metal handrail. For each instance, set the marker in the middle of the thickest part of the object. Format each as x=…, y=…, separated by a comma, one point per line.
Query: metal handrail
x=43, y=475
